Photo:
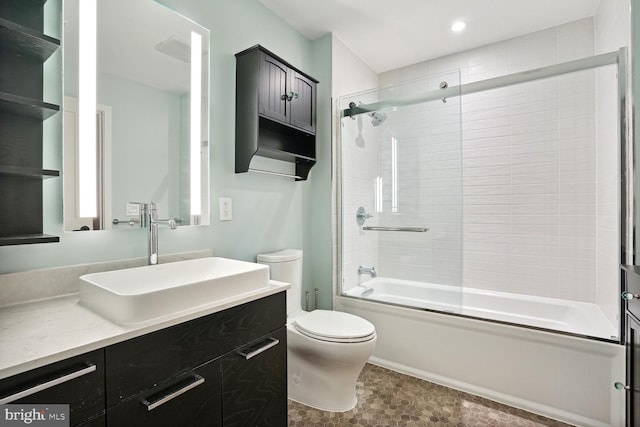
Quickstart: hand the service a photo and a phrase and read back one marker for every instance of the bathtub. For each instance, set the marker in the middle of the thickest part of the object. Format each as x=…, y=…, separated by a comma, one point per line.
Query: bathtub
x=562, y=376
x=548, y=313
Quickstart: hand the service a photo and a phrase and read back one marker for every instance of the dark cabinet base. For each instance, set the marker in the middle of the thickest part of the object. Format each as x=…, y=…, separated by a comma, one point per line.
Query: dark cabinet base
x=197, y=406
x=84, y=394
x=254, y=388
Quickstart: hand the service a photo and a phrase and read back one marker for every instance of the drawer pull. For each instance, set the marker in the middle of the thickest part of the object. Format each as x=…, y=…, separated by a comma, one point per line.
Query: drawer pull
x=48, y=384
x=164, y=398
x=272, y=342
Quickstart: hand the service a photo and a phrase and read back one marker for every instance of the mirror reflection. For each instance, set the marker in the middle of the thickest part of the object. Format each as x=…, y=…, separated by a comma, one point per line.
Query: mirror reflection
x=144, y=135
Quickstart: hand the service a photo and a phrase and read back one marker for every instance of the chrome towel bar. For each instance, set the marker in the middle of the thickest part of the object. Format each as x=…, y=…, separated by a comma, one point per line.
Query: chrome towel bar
x=412, y=229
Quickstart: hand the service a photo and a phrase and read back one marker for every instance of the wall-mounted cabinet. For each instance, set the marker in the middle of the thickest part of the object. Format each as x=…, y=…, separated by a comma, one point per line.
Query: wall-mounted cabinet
x=23, y=50
x=275, y=111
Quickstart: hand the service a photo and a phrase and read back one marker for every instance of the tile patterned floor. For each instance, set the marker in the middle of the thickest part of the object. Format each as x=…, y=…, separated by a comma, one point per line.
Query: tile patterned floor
x=387, y=398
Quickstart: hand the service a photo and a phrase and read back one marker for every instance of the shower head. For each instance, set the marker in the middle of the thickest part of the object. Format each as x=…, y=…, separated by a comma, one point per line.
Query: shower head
x=377, y=118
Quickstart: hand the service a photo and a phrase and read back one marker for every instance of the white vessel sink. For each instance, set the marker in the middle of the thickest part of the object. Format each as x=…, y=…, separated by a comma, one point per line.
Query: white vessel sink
x=138, y=294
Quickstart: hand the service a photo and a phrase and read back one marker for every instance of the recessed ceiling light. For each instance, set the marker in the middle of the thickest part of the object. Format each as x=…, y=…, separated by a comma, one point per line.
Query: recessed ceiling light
x=458, y=26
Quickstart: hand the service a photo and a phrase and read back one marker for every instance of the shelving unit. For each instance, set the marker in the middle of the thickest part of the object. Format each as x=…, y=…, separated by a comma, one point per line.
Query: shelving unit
x=23, y=50
x=275, y=111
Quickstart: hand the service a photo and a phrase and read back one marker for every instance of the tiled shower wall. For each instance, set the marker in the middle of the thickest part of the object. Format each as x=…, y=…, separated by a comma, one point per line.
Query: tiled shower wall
x=530, y=158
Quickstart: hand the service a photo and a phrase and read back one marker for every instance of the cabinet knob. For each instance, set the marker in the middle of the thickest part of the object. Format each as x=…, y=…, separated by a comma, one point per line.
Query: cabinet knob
x=292, y=95
x=630, y=296
x=620, y=386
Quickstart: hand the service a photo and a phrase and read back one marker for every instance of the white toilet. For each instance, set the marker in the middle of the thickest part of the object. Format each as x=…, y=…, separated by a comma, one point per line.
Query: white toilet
x=326, y=350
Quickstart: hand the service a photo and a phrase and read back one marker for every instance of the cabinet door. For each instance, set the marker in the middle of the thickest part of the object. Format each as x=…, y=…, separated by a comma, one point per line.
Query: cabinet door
x=190, y=399
x=274, y=89
x=303, y=102
x=77, y=382
x=633, y=371
x=254, y=383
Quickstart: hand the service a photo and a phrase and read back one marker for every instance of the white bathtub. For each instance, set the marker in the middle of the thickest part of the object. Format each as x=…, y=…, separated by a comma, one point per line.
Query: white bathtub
x=561, y=376
x=549, y=313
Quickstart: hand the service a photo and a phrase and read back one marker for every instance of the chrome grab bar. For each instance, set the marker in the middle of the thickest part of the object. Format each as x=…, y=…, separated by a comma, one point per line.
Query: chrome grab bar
x=412, y=229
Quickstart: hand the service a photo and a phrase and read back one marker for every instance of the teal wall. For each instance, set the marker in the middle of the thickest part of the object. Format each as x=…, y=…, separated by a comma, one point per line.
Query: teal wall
x=269, y=213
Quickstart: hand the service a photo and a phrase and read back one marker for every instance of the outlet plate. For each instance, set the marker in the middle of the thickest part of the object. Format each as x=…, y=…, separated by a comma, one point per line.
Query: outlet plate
x=226, y=208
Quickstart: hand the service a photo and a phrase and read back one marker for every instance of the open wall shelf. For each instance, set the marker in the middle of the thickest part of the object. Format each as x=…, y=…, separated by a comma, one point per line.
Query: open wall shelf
x=23, y=50
x=21, y=106
x=26, y=239
x=25, y=41
x=19, y=171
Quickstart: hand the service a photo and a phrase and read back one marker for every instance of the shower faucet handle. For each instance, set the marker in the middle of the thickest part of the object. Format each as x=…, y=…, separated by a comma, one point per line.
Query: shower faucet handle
x=362, y=215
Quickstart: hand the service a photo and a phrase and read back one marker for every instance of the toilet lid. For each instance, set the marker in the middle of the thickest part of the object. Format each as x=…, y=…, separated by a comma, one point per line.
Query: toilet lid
x=335, y=326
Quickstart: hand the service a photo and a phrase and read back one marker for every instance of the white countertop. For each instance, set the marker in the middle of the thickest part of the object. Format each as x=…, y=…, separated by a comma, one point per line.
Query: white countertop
x=38, y=333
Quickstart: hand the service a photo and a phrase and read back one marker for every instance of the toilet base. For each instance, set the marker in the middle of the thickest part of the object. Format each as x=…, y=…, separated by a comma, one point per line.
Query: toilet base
x=323, y=374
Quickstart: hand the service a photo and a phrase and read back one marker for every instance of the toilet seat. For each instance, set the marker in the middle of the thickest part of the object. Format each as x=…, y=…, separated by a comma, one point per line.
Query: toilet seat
x=335, y=326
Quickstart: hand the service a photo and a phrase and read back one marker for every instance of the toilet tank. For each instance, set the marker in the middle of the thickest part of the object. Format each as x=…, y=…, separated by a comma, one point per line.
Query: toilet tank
x=286, y=266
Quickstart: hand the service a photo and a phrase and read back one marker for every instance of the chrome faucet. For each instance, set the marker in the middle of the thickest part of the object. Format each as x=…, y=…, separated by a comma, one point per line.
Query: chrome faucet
x=150, y=217
x=371, y=271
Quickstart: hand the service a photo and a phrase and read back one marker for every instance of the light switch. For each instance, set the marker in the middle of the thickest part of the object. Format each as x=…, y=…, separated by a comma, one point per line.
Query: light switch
x=226, y=209
x=133, y=209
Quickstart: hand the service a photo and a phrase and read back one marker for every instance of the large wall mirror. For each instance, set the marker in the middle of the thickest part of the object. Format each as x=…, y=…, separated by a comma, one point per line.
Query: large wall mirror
x=136, y=114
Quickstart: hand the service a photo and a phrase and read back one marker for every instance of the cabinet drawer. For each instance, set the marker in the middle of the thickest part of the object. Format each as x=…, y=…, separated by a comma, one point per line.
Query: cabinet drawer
x=191, y=399
x=142, y=362
x=256, y=373
x=632, y=286
x=99, y=421
x=78, y=382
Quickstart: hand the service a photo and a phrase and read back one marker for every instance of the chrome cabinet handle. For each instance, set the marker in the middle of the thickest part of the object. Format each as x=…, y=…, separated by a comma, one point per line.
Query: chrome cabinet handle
x=292, y=95
x=272, y=342
x=48, y=384
x=196, y=381
x=629, y=296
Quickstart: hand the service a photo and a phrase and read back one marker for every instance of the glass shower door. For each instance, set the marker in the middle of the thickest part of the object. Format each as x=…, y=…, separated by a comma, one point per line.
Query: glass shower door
x=401, y=194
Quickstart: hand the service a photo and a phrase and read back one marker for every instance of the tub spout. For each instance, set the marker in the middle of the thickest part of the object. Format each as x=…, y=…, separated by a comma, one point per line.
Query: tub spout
x=371, y=271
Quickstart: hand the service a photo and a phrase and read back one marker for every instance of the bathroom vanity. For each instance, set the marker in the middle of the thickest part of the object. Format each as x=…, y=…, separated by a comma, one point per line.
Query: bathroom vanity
x=225, y=367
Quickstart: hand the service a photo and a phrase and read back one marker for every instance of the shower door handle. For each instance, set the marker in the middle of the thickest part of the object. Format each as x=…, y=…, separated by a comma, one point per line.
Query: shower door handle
x=629, y=296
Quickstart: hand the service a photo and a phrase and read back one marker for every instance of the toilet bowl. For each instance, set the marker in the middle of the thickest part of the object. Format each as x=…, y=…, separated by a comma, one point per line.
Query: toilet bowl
x=326, y=350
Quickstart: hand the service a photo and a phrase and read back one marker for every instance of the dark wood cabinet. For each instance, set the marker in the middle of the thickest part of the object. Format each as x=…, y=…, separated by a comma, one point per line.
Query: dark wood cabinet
x=630, y=276
x=78, y=382
x=177, y=376
x=190, y=399
x=183, y=368
x=254, y=382
x=275, y=111
x=23, y=50
x=633, y=371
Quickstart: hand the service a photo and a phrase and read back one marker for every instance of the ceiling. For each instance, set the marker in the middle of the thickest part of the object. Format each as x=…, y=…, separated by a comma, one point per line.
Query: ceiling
x=388, y=34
